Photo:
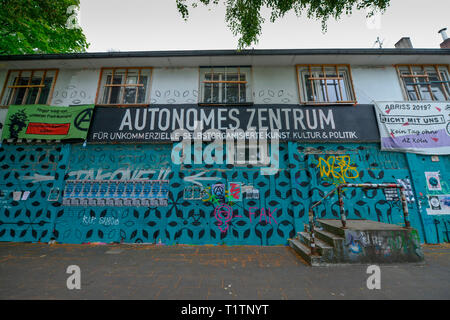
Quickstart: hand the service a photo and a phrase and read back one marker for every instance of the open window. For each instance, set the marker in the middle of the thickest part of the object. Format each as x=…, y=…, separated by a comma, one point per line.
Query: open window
x=325, y=84
x=28, y=87
x=425, y=82
x=225, y=85
x=124, y=86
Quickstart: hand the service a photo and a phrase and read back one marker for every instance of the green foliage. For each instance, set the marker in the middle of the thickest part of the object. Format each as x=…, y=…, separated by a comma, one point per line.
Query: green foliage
x=38, y=26
x=244, y=16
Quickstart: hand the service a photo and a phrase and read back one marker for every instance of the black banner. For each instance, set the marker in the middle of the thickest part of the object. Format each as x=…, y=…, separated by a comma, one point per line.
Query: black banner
x=156, y=123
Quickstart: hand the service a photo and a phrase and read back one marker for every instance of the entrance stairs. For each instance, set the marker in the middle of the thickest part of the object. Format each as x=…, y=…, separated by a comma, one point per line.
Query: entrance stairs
x=362, y=241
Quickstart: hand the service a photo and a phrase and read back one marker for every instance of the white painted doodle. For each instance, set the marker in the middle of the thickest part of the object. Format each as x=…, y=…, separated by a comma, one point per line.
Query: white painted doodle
x=119, y=174
x=38, y=178
x=198, y=178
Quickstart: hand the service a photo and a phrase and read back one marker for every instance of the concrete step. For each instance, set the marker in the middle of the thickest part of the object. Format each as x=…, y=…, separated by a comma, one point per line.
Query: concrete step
x=332, y=226
x=330, y=238
x=322, y=247
x=305, y=252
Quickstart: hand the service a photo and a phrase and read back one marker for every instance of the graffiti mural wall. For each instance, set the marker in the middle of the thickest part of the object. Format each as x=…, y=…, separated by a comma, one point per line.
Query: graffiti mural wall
x=135, y=194
x=32, y=179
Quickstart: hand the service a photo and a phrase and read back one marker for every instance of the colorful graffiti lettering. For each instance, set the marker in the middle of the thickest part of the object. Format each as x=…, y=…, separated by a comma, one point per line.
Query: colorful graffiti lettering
x=337, y=168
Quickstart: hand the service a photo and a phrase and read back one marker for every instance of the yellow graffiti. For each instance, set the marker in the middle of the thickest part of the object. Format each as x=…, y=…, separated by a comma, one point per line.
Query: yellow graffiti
x=337, y=168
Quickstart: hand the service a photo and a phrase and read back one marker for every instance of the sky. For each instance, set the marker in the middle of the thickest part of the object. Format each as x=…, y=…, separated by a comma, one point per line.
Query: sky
x=153, y=25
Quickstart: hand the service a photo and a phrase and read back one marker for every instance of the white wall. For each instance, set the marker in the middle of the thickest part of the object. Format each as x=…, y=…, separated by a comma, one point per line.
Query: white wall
x=275, y=85
x=75, y=87
x=376, y=84
x=174, y=86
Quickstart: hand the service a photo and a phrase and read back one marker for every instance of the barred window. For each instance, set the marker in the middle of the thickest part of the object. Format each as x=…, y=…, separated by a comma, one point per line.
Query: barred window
x=325, y=84
x=29, y=87
x=225, y=85
x=425, y=82
x=124, y=86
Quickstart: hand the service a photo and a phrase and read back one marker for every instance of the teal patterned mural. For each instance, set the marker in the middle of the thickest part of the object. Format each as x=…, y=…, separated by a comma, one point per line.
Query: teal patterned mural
x=32, y=178
x=206, y=204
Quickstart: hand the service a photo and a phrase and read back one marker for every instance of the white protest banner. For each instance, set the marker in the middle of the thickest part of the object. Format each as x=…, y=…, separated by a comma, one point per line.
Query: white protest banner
x=416, y=127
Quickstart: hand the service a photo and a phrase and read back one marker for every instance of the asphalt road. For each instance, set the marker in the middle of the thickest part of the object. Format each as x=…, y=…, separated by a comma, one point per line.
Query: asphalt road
x=38, y=271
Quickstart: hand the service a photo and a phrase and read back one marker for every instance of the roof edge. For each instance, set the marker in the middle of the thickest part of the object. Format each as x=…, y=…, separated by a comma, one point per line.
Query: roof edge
x=203, y=53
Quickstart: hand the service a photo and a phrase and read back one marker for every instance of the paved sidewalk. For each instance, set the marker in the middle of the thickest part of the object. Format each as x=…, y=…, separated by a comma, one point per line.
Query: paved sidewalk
x=38, y=271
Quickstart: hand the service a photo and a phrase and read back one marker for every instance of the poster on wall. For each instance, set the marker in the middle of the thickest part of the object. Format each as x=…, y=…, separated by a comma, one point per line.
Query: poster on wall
x=416, y=127
x=439, y=204
x=47, y=122
x=235, y=191
x=433, y=181
x=116, y=193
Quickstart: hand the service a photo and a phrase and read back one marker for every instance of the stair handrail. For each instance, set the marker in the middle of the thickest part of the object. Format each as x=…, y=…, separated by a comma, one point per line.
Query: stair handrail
x=342, y=210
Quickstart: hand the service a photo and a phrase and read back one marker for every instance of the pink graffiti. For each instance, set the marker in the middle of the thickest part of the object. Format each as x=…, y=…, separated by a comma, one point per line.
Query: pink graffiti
x=223, y=215
x=266, y=212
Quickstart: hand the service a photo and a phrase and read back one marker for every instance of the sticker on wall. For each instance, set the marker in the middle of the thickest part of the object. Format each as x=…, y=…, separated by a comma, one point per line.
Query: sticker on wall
x=17, y=195
x=218, y=191
x=193, y=193
x=439, y=204
x=251, y=193
x=406, y=183
x=25, y=195
x=433, y=181
x=391, y=194
x=235, y=191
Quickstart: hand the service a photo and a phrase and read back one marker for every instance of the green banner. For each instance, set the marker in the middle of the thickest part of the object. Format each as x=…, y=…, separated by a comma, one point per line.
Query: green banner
x=47, y=122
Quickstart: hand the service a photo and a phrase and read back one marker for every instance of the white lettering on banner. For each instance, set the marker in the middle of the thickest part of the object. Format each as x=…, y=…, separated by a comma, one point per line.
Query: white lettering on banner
x=265, y=119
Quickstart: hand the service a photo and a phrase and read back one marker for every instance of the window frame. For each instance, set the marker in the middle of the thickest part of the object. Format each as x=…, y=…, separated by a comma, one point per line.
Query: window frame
x=100, y=87
x=417, y=90
x=248, y=84
x=29, y=85
x=301, y=85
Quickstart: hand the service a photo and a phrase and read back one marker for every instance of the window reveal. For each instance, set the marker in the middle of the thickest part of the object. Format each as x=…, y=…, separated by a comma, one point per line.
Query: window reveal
x=124, y=86
x=29, y=86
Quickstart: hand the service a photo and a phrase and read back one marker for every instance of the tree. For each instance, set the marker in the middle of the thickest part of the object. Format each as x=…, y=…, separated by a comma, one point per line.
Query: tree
x=39, y=26
x=244, y=16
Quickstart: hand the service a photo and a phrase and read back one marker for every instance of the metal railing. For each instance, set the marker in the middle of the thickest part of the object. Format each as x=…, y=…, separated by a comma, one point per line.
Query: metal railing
x=342, y=210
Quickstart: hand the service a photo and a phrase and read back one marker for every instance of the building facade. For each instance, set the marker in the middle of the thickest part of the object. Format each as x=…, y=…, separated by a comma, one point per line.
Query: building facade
x=129, y=180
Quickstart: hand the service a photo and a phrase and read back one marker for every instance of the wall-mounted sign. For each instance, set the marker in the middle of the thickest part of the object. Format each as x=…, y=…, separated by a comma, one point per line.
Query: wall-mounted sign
x=156, y=123
x=47, y=122
x=417, y=127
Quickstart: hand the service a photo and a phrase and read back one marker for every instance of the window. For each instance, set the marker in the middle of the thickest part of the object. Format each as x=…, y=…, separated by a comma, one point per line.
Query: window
x=225, y=85
x=124, y=86
x=425, y=82
x=325, y=84
x=29, y=86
